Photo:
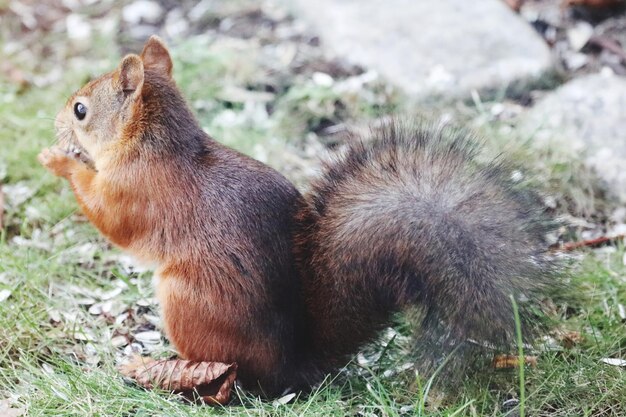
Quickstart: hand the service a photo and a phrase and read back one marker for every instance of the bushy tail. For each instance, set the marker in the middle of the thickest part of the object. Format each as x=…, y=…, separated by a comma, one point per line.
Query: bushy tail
x=410, y=217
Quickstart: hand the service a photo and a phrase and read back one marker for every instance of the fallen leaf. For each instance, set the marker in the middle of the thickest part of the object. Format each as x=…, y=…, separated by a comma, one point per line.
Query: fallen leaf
x=614, y=361
x=211, y=381
x=512, y=361
x=570, y=339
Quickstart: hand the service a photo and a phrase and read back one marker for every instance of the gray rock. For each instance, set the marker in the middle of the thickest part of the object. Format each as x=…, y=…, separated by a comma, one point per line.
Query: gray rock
x=586, y=116
x=431, y=48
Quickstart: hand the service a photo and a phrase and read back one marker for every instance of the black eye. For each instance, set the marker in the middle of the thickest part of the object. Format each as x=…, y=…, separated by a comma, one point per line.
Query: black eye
x=80, y=111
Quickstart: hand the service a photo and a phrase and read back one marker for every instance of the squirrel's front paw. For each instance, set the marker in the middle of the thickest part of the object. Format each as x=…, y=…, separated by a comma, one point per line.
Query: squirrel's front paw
x=58, y=161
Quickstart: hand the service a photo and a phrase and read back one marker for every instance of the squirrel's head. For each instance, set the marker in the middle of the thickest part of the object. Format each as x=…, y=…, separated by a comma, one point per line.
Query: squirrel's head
x=107, y=111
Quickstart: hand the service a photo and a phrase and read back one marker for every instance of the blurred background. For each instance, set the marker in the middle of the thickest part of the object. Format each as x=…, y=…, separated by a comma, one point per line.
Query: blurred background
x=264, y=74
x=541, y=81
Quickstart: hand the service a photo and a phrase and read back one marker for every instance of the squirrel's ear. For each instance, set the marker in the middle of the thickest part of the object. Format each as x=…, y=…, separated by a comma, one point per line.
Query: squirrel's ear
x=131, y=74
x=156, y=57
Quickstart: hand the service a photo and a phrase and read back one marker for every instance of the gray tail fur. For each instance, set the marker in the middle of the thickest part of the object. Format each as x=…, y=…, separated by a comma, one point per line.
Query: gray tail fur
x=413, y=219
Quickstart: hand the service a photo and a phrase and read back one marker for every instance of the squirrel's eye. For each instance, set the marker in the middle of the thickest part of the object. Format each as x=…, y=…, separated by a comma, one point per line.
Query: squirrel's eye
x=80, y=111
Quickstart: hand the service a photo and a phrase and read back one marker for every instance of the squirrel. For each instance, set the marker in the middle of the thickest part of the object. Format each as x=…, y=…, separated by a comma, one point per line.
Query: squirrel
x=289, y=286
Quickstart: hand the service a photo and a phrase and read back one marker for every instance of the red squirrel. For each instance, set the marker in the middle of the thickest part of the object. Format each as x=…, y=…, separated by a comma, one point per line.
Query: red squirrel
x=287, y=285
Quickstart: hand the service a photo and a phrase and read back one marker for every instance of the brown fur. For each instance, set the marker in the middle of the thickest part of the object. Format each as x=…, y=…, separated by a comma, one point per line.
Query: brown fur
x=250, y=271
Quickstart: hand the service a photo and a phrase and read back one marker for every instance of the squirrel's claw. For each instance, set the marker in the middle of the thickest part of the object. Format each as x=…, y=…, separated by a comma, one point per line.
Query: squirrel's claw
x=57, y=161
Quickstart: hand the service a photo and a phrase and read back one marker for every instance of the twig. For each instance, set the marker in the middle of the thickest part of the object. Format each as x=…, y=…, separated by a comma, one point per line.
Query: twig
x=610, y=45
x=590, y=243
x=592, y=3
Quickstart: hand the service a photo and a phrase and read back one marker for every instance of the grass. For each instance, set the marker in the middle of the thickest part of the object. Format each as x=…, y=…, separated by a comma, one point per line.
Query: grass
x=57, y=358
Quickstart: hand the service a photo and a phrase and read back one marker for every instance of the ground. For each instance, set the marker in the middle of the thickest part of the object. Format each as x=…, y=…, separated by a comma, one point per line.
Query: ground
x=72, y=307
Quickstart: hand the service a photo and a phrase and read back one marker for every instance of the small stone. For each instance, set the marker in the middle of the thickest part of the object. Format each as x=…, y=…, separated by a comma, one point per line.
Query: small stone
x=4, y=294
x=575, y=60
x=120, y=284
x=111, y=294
x=142, y=11
x=149, y=337
x=84, y=335
x=517, y=176
x=133, y=349
x=85, y=301
x=90, y=349
x=579, y=34
x=70, y=317
x=119, y=341
x=153, y=320
x=121, y=318
x=101, y=308
x=55, y=315
x=322, y=79
x=143, y=303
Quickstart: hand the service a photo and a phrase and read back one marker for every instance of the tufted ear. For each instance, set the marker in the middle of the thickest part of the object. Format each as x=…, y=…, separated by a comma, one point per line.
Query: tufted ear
x=131, y=74
x=156, y=57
